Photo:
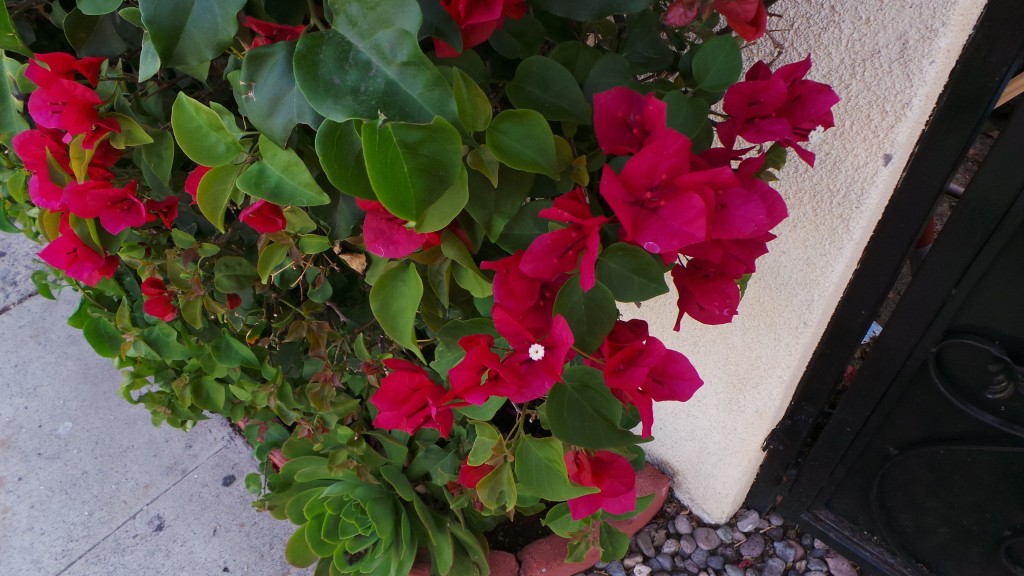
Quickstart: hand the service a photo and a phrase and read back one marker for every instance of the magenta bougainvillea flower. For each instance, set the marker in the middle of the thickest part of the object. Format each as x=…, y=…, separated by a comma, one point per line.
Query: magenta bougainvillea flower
x=778, y=107
x=557, y=252
x=610, y=473
x=477, y=20
x=45, y=68
x=409, y=400
x=264, y=217
x=625, y=120
x=659, y=203
x=166, y=210
x=681, y=13
x=530, y=300
x=640, y=370
x=476, y=378
x=158, y=301
x=705, y=293
x=193, y=180
x=387, y=235
x=269, y=32
x=537, y=358
x=117, y=208
x=748, y=18
x=470, y=476
x=77, y=259
x=732, y=258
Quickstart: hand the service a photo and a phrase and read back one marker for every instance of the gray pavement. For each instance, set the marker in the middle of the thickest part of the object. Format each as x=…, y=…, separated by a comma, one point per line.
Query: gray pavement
x=88, y=487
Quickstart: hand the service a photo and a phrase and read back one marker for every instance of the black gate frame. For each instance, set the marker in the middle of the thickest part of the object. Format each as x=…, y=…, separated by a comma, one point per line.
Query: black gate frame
x=993, y=53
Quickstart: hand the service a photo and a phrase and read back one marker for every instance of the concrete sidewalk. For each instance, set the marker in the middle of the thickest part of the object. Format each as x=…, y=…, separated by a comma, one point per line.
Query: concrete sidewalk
x=88, y=487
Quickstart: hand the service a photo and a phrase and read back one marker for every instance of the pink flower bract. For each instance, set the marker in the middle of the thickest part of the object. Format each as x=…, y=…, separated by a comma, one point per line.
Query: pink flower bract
x=409, y=400
x=625, y=120
x=610, y=473
x=558, y=251
x=264, y=217
x=157, y=301
x=477, y=20
x=79, y=261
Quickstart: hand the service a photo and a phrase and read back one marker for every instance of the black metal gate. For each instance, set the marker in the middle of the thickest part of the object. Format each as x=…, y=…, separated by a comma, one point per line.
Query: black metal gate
x=921, y=468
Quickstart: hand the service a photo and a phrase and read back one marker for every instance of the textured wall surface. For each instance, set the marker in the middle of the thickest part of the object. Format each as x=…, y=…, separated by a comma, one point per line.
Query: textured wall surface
x=889, y=62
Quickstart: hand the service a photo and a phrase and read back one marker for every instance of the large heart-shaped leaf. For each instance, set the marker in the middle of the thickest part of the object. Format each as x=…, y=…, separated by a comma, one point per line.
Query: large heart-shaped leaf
x=717, y=64
x=394, y=299
x=591, y=314
x=522, y=139
x=340, y=149
x=540, y=470
x=411, y=165
x=282, y=178
x=189, y=32
x=370, y=63
x=632, y=274
x=546, y=86
x=9, y=37
x=272, y=101
x=201, y=133
x=583, y=412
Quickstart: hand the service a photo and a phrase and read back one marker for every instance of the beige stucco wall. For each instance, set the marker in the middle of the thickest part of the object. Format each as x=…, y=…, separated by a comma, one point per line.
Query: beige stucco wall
x=888, y=61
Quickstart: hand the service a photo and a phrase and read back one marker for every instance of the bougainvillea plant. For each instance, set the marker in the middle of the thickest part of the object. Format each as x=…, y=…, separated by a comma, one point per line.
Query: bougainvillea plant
x=392, y=236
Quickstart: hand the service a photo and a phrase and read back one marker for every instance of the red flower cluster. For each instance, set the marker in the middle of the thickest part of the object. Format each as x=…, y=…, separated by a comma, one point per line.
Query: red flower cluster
x=778, y=107
x=409, y=400
x=264, y=217
x=69, y=125
x=748, y=18
x=610, y=473
x=267, y=33
x=387, y=235
x=673, y=203
x=157, y=300
x=477, y=20
x=640, y=370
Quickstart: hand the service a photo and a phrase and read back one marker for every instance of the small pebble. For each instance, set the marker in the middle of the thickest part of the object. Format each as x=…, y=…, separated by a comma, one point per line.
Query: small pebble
x=816, y=564
x=659, y=537
x=662, y=574
x=773, y=567
x=601, y=565
x=706, y=538
x=665, y=560
x=716, y=562
x=730, y=553
x=615, y=569
x=784, y=550
x=654, y=565
x=671, y=546
x=800, y=566
x=682, y=524
x=687, y=544
x=691, y=567
x=738, y=536
x=776, y=533
x=644, y=570
x=733, y=570
x=753, y=547
x=820, y=545
x=815, y=573
x=839, y=566
x=724, y=534
x=643, y=542
x=700, y=556
x=747, y=522
x=775, y=519
x=751, y=572
x=807, y=541
x=629, y=562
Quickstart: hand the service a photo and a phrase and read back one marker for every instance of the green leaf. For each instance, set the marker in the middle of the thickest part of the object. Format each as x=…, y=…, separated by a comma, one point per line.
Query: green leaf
x=585, y=10
x=546, y=86
x=207, y=393
x=481, y=160
x=717, y=64
x=149, y=60
x=614, y=543
x=453, y=247
x=187, y=32
x=11, y=121
x=394, y=299
x=131, y=134
x=526, y=225
x=164, y=340
x=201, y=133
x=583, y=412
x=485, y=411
x=644, y=47
x=104, y=337
x=441, y=213
x=215, y=191
x=438, y=23
x=398, y=481
x=271, y=255
x=340, y=216
x=522, y=139
x=297, y=551
x=559, y=520
x=540, y=469
x=591, y=314
x=314, y=244
x=95, y=35
x=374, y=43
x=577, y=57
x=411, y=165
x=229, y=352
x=472, y=103
x=9, y=37
x=131, y=13
x=498, y=488
x=234, y=274
x=282, y=178
x=487, y=437
x=157, y=161
x=340, y=149
x=98, y=7
x=610, y=71
x=272, y=101
x=630, y=273
x=494, y=206
x=686, y=114
x=519, y=38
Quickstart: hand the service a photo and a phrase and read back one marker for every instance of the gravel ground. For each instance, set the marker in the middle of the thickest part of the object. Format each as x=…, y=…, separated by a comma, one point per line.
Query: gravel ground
x=677, y=543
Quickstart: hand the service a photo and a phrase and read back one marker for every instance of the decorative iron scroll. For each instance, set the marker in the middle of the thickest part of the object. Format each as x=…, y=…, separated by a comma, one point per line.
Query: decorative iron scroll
x=980, y=377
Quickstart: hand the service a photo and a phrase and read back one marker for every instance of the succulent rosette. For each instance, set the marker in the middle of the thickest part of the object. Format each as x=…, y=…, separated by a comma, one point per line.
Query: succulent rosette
x=393, y=237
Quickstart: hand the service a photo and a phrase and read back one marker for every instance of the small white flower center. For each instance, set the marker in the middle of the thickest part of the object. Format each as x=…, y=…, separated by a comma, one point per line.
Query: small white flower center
x=536, y=352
